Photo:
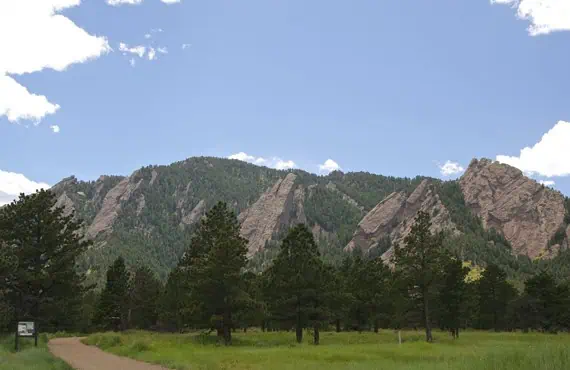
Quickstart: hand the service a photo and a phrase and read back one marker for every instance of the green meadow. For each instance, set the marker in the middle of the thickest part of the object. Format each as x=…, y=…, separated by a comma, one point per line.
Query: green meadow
x=278, y=350
x=29, y=357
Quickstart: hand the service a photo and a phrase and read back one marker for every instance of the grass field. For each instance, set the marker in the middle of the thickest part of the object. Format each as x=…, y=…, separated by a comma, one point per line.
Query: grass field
x=29, y=358
x=256, y=350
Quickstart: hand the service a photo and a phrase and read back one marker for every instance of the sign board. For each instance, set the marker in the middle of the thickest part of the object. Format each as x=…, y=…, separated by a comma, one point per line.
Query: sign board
x=26, y=329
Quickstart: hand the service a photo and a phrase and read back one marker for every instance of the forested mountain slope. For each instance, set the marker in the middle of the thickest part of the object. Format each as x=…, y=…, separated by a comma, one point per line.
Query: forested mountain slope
x=148, y=216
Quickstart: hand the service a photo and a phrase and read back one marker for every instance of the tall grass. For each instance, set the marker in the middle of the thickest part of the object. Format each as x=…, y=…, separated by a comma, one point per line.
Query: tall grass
x=256, y=350
x=29, y=357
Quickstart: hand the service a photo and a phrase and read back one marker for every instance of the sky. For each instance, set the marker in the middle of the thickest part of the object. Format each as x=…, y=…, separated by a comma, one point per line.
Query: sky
x=400, y=87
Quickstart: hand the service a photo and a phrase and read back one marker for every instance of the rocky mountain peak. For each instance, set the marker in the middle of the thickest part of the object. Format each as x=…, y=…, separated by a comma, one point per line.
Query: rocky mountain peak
x=526, y=212
x=277, y=208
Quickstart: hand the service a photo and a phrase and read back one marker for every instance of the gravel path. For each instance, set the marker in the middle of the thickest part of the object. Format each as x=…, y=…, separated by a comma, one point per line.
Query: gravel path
x=83, y=357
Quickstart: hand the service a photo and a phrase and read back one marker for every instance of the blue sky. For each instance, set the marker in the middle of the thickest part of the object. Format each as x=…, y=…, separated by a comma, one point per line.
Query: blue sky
x=391, y=87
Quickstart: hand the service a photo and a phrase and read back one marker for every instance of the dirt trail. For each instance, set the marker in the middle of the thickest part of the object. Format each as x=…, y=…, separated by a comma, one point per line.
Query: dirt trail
x=83, y=357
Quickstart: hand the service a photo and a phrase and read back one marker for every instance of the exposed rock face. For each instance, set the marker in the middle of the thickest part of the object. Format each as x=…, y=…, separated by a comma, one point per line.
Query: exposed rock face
x=276, y=208
x=111, y=206
x=195, y=215
x=65, y=202
x=154, y=174
x=527, y=213
x=394, y=216
x=141, y=204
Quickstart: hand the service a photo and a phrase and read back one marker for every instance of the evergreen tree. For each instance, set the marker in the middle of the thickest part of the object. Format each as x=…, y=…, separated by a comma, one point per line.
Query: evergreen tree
x=216, y=256
x=46, y=242
x=420, y=262
x=145, y=295
x=296, y=287
x=174, y=303
x=495, y=294
x=452, y=295
x=8, y=265
x=544, y=302
x=113, y=308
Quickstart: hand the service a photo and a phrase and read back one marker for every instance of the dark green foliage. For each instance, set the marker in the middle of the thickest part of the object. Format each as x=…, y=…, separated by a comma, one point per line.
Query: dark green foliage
x=559, y=236
x=296, y=289
x=214, y=260
x=113, y=306
x=367, y=282
x=8, y=265
x=452, y=295
x=145, y=295
x=175, y=301
x=327, y=209
x=495, y=294
x=420, y=261
x=369, y=189
x=43, y=244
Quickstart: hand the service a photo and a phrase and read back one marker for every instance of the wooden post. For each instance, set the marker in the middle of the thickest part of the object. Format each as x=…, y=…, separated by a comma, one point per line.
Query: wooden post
x=17, y=338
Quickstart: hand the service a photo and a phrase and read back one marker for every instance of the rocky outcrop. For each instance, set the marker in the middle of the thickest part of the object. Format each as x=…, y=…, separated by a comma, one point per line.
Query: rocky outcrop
x=527, y=213
x=194, y=215
x=394, y=216
x=65, y=202
x=111, y=206
x=277, y=208
x=154, y=174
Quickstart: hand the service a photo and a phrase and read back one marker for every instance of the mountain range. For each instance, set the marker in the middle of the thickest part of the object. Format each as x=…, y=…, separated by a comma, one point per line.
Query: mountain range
x=492, y=214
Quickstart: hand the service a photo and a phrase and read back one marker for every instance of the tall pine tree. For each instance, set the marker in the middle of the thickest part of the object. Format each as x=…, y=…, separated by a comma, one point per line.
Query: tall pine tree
x=112, y=311
x=420, y=262
x=46, y=242
x=214, y=261
x=297, y=284
x=145, y=295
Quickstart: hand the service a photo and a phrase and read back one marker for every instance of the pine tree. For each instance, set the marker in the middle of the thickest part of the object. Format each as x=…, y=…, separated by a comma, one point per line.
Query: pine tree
x=8, y=265
x=420, y=262
x=452, y=295
x=297, y=284
x=174, y=302
x=216, y=256
x=495, y=293
x=46, y=242
x=113, y=308
x=145, y=295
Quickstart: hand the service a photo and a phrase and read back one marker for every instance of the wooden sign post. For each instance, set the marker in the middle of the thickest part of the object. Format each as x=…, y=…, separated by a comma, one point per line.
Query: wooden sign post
x=26, y=329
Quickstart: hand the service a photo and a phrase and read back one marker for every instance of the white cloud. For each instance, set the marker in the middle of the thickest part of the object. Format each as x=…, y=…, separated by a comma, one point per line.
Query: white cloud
x=274, y=162
x=450, y=168
x=186, y=46
x=284, y=165
x=547, y=182
x=545, y=16
x=147, y=36
x=548, y=157
x=162, y=50
x=151, y=53
x=55, y=129
x=12, y=184
x=139, y=50
x=329, y=166
x=123, y=2
x=34, y=37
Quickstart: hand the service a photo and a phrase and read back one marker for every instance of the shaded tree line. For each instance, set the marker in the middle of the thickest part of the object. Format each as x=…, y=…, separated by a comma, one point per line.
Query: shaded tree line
x=424, y=285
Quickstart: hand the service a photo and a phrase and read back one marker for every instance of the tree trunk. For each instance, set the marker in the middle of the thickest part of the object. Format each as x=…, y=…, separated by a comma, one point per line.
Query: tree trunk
x=338, y=325
x=263, y=326
x=245, y=329
x=299, y=334
x=227, y=327
x=316, y=335
x=429, y=337
x=376, y=326
x=456, y=333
